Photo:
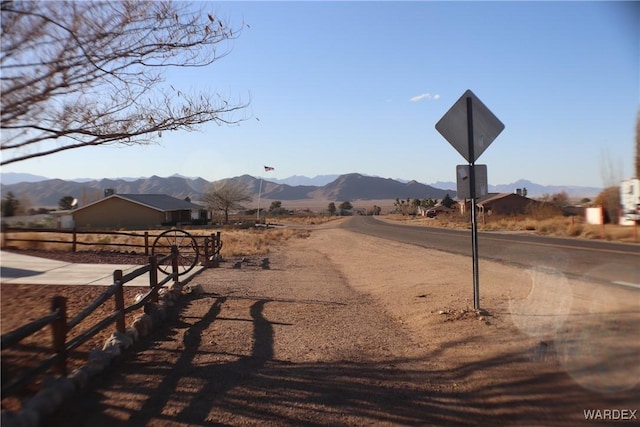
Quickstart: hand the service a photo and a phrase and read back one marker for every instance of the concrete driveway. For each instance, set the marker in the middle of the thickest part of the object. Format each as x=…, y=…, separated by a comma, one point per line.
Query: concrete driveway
x=24, y=269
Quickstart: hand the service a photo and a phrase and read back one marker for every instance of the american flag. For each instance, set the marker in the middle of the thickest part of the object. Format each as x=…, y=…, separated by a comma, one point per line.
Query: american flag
x=268, y=168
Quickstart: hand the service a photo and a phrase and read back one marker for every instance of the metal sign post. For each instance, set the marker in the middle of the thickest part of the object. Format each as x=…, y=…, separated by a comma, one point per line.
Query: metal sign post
x=482, y=127
x=472, y=190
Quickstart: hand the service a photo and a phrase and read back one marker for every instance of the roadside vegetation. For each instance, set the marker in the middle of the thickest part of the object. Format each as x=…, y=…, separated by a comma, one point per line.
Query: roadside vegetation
x=547, y=216
x=558, y=225
x=236, y=241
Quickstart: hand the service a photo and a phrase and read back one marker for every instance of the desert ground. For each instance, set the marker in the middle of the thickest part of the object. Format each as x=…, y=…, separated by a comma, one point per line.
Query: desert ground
x=343, y=329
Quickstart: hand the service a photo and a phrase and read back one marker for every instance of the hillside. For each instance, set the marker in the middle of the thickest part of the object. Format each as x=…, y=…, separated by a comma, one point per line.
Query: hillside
x=353, y=186
x=359, y=187
x=346, y=187
x=49, y=192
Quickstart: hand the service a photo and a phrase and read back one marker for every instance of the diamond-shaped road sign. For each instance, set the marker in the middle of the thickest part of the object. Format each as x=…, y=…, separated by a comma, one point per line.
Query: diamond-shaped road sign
x=453, y=126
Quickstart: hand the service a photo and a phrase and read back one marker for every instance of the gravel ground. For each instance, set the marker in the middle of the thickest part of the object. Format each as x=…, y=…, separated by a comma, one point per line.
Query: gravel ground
x=343, y=329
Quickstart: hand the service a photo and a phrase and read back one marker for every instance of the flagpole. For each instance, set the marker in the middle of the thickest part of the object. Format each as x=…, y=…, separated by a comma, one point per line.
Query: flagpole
x=259, y=193
x=266, y=169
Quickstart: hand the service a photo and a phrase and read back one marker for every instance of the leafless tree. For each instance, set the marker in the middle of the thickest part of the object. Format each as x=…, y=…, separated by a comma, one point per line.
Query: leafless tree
x=226, y=195
x=76, y=74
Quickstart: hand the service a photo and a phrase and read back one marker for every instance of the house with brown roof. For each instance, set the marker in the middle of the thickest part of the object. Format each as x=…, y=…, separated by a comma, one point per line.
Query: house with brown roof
x=501, y=204
x=137, y=210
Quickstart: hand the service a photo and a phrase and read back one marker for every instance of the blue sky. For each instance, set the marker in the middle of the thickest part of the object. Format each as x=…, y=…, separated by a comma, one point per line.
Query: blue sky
x=340, y=87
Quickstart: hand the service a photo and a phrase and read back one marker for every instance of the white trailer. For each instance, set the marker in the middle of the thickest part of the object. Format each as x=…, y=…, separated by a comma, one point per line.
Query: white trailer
x=630, y=199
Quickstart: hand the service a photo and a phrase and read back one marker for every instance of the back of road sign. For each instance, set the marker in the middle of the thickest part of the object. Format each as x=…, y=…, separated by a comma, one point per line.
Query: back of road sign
x=464, y=183
x=453, y=126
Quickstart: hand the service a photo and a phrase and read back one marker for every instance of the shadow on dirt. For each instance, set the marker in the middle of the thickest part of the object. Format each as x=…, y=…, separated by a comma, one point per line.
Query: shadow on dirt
x=257, y=389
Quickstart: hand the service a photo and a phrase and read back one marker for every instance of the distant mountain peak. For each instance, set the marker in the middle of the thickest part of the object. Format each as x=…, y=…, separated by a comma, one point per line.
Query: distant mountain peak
x=8, y=178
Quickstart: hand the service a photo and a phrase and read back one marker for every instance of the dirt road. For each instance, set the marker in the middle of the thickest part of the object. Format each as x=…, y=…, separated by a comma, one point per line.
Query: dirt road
x=345, y=329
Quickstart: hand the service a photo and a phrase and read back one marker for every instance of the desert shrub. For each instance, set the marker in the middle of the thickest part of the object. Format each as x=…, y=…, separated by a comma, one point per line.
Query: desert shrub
x=32, y=242
x=256, y=242
x=542, y=210
x=575, y=230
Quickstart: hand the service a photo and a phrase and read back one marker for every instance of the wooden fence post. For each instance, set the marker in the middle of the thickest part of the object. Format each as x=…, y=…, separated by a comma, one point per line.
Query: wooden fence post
x=174, y=264
x=153, y=277
x=208, y=243
x=146, y=243
x=4, y=235
x=119, y=297
x=73, y=243
x=59, y=332
x=216, y=250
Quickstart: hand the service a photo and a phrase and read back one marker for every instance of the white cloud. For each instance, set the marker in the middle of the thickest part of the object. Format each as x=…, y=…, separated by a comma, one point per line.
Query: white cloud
x=427, y=96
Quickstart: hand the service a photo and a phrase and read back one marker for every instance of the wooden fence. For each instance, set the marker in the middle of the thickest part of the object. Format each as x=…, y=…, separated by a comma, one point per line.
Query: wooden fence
x=34, y=238
x=23, y=236
x=61, y=326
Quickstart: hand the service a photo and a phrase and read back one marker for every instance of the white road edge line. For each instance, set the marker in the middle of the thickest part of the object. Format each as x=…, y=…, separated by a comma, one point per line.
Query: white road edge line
x=628, y=284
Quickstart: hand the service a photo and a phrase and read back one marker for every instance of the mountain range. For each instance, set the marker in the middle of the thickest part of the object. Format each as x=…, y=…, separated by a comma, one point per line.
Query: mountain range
x=43, y=192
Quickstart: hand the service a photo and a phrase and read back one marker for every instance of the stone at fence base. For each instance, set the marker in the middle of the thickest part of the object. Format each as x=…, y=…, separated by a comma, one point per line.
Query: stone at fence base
x=163, y=292
x=118, y=339
x=57, y=390
x=40, y=405
x=54, y=395
x=142, y=322
x=168, y=297
x=138, y=298
x=150, y=308
x=54, y=391
x=68, y=387
x=161, y=312
x=94, y=367
x=193, y=289
x=79, y=377
x=112, y=351
x=9, y=418
x=22, y=419
x=98, y=360
x=132, y=332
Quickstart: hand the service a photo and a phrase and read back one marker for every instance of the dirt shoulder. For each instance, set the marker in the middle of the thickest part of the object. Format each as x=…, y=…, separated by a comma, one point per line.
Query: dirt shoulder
x=346, y=329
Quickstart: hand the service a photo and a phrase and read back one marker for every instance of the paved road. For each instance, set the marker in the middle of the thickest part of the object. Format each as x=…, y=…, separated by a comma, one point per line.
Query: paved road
x=591, y=260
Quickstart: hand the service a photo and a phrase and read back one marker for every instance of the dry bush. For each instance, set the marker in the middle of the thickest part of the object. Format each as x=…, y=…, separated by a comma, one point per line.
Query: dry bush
x=34, y=240
x=591, y=231
x=575, y=230
x=542, y=211
x=546, y=223
x=622, y=233
x=302, y=219
x=32, y=243
x=256, y=242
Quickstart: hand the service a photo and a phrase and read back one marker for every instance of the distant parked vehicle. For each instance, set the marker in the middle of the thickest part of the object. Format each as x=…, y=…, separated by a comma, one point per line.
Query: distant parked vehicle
x=432, y=213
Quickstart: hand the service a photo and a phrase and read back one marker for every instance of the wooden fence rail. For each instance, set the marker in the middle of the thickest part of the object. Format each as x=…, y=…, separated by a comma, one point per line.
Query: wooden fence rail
x=211, y=244
x=61, y=326
x=9, y=236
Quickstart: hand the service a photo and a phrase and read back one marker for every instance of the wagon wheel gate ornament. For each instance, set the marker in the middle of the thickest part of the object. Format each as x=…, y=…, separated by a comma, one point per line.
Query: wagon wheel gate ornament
x=186, y=246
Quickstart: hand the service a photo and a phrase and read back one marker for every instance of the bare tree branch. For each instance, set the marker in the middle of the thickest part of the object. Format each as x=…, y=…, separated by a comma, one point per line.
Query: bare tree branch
x=77, y=74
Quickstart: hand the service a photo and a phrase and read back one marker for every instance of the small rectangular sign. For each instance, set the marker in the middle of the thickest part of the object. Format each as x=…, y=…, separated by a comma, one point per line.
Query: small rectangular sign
x=463, y=181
